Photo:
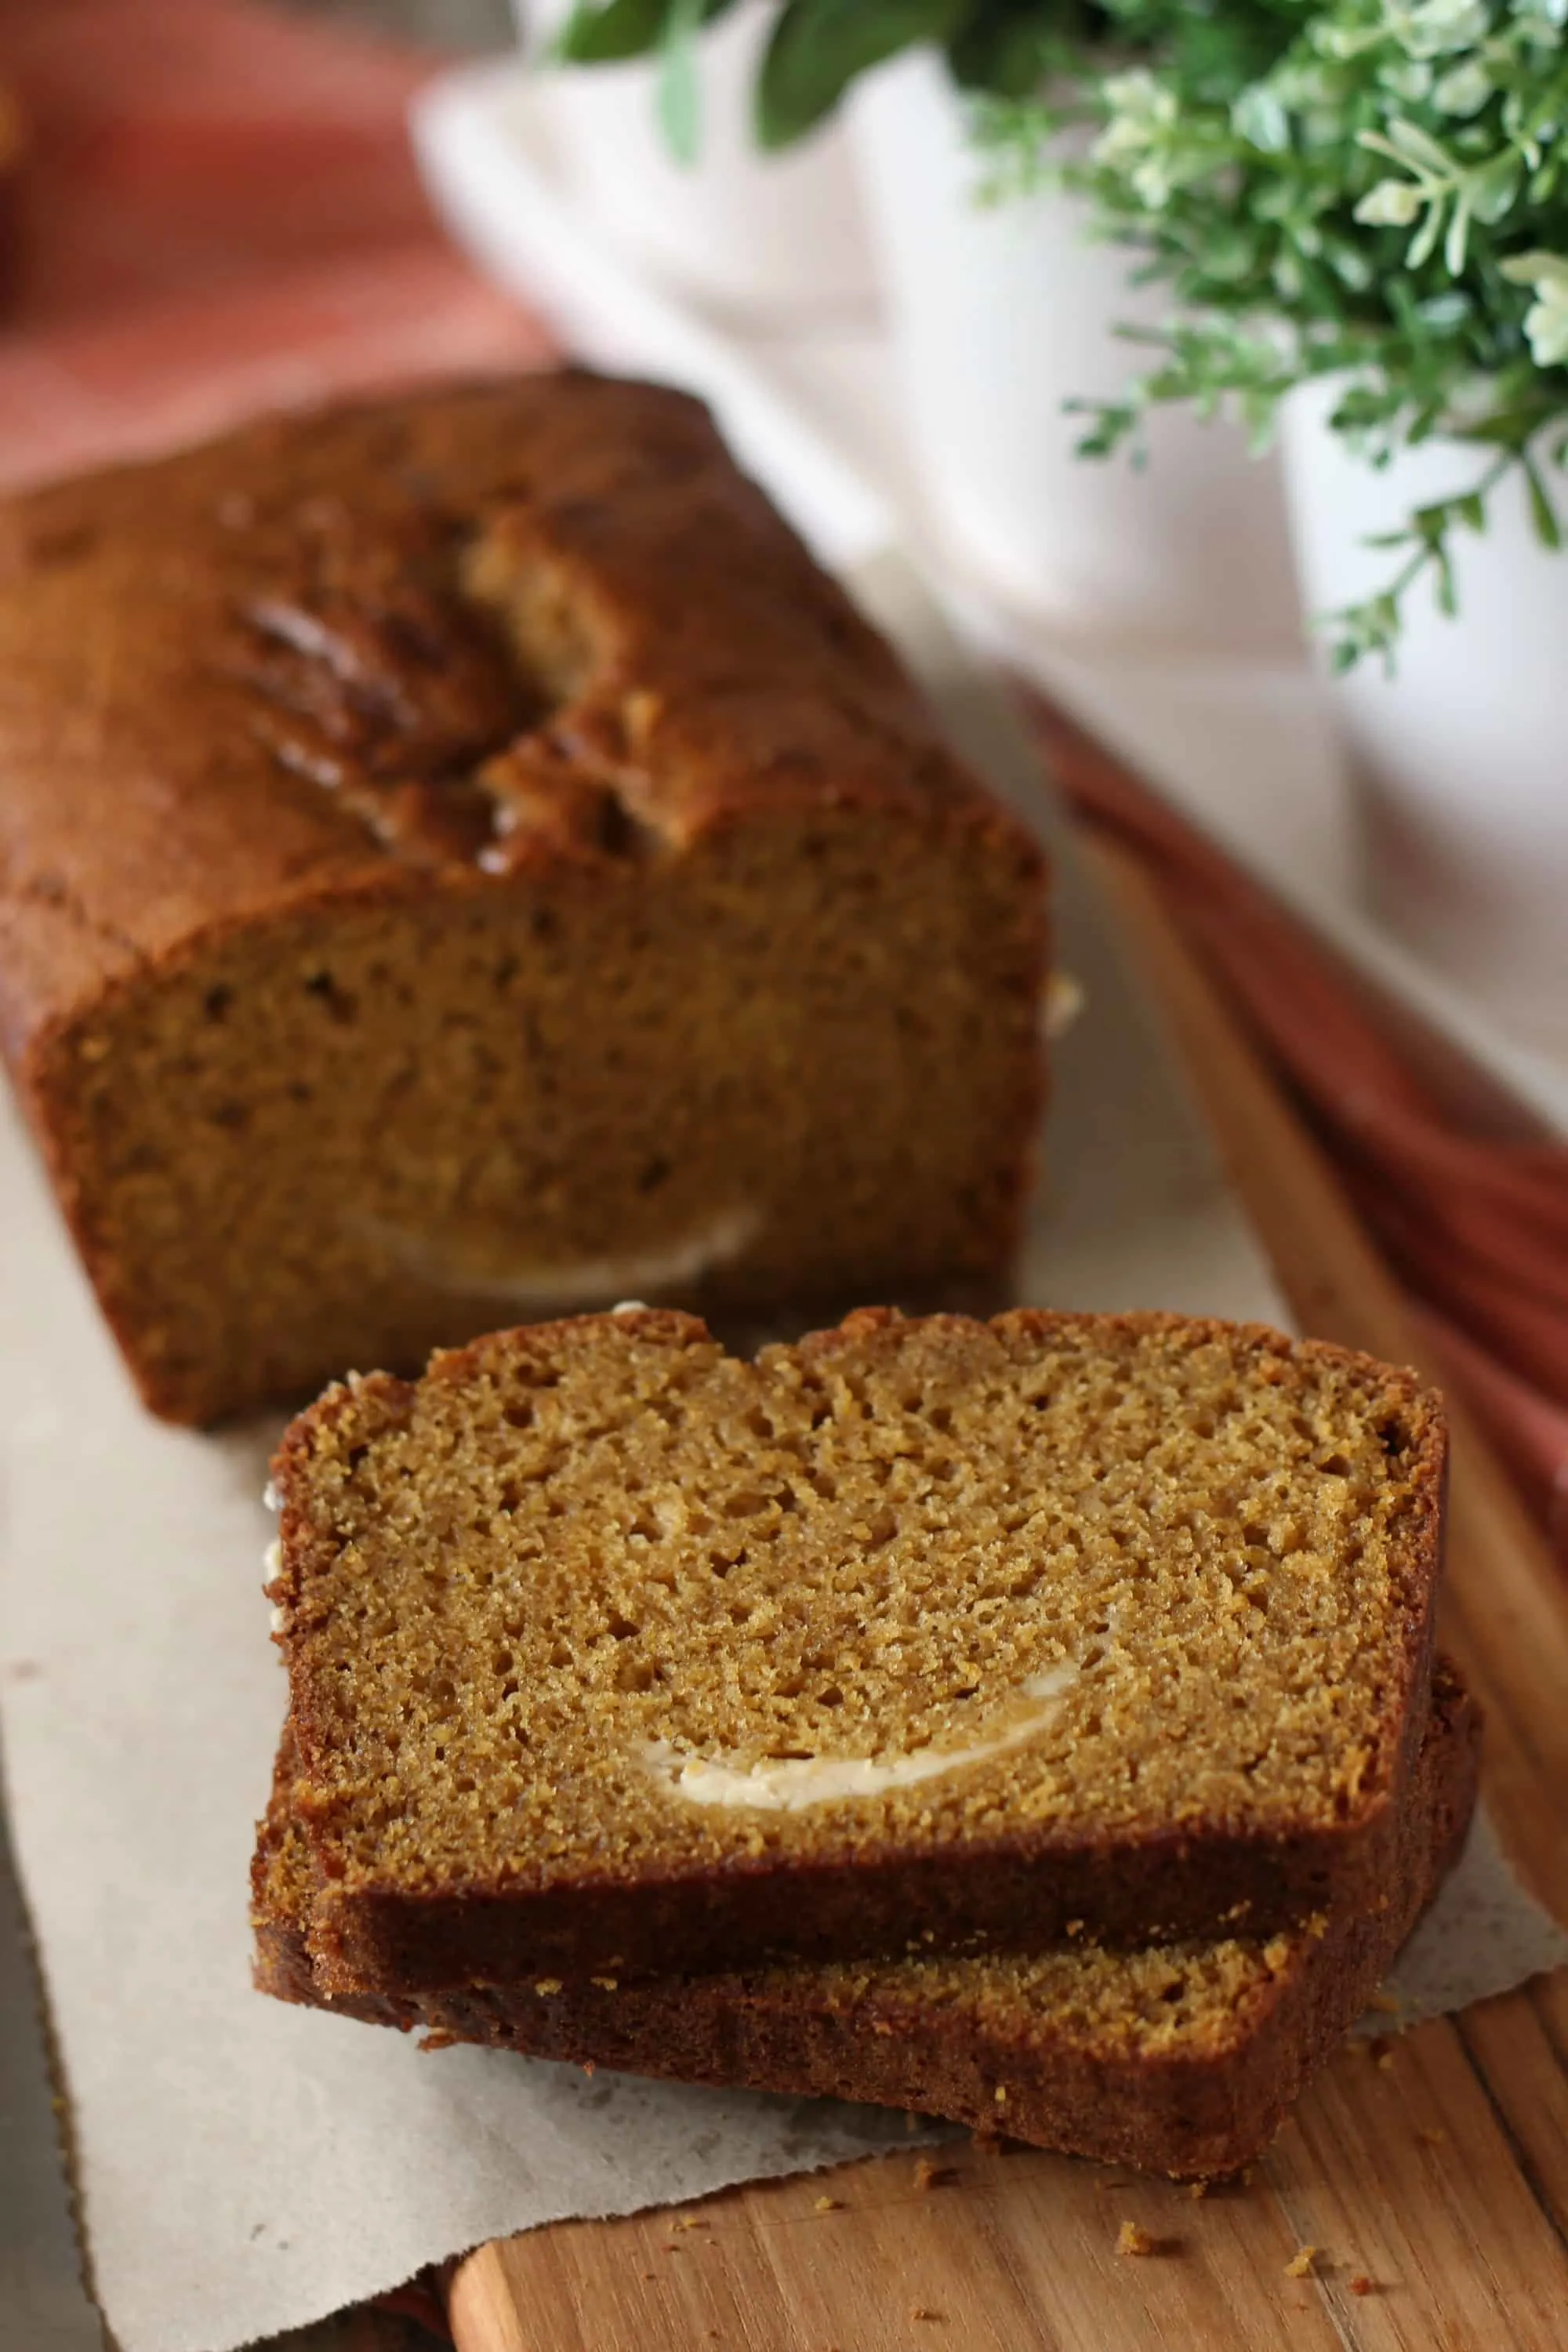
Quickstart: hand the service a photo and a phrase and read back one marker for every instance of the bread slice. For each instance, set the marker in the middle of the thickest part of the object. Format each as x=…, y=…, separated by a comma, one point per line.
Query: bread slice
x=1178, y=2058
x=613, y=1654
x=462, y=860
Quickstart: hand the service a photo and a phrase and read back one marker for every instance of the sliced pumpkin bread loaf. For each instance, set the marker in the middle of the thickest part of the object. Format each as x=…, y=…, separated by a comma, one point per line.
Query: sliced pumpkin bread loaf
x=610, y=1653
x=1180, y=2058
x=460, y=859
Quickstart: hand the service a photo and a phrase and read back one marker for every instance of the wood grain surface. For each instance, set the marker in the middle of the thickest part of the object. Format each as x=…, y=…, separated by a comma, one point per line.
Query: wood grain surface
x=1430, y=2174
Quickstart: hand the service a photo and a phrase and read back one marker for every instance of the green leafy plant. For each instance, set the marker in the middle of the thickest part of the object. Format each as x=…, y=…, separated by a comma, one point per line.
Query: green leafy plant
x=818, y=49
x=1368, y=190
x=608, y=31
x=1384, y=202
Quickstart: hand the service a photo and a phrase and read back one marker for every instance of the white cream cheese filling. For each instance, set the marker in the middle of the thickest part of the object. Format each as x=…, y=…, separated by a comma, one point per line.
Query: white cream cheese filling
x=788, y=1784
x=1062, y=1002
x=582, y=1282
x=272, y=1562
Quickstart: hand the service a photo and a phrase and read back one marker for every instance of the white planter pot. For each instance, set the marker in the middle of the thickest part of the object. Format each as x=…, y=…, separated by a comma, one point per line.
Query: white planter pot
x=759, y=237
x=1461, y=758
x=1001, y=313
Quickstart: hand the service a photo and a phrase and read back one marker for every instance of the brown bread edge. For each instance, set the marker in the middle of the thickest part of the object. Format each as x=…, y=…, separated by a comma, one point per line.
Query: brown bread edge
x=1193, y=2114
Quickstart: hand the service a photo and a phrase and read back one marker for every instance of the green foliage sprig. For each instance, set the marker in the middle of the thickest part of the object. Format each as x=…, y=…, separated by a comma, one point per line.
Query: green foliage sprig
x=1385, y=201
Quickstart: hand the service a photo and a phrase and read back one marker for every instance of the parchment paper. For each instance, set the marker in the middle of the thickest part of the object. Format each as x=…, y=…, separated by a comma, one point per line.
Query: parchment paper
x=243, y=2166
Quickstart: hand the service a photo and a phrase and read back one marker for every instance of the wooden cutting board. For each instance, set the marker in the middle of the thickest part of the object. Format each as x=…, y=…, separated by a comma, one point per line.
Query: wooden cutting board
x=1431, y=2174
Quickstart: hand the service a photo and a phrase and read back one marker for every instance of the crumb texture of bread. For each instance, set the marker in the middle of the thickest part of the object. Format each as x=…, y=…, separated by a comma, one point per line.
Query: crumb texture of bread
x=462, y=860
x=922, y=1626
x=1180, y=2058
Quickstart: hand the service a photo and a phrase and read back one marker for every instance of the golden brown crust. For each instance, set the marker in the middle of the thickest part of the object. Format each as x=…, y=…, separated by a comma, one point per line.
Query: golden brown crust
x=270, y=672
x=1196, y=2101
x=387, y=1926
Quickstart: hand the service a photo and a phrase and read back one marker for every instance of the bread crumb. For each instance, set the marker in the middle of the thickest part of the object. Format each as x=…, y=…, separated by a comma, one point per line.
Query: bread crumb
x=929, y=2174
x=1198, y=2189
x=688, y=2222
x=606, y=1984
x=546, y=1986
x=1130, y=2239
x=590, y=2067
x=1301, y=2263
x=1431, y=2137
x=1362, y=2285
x=829, y=2205
x=1000, y=2094
x=880, y=2025
x=923, y=2311
x=1382, y=2050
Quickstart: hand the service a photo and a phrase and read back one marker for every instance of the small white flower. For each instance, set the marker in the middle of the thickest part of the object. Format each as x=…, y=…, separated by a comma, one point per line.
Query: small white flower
x=1137, y=92
x=1301, y=82
x=1260, y=116
x=1393, y=204
x=1410, y=78
x=1151, y=182
x=1464, y=91
x=1431, y=28
x=1546, y=321
x=1137, y=138
x=1141, y=111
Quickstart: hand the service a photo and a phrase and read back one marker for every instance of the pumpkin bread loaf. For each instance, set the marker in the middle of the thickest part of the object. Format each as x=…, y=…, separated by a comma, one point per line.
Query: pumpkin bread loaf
x=1176, y=2058
x=610, y=1653
x=460, y=860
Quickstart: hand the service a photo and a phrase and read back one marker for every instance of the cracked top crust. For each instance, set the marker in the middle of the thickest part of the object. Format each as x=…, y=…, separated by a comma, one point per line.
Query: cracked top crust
x=429, y=642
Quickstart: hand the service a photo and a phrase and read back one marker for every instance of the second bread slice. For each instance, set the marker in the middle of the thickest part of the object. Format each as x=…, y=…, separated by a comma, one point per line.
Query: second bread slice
x=1179, y=2058
x=611, y=1652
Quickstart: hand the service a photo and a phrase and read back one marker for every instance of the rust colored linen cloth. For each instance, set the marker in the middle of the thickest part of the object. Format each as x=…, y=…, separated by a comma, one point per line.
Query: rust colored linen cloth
x=218, y=213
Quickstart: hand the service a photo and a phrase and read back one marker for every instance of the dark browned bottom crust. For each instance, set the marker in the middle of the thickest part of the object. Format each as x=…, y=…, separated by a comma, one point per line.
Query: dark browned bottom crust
x=1033, y=2048
x=984, y=1897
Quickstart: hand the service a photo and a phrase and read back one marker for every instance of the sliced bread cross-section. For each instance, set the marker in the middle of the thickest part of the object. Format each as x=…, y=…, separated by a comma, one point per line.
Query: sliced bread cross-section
x=610, y=1653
